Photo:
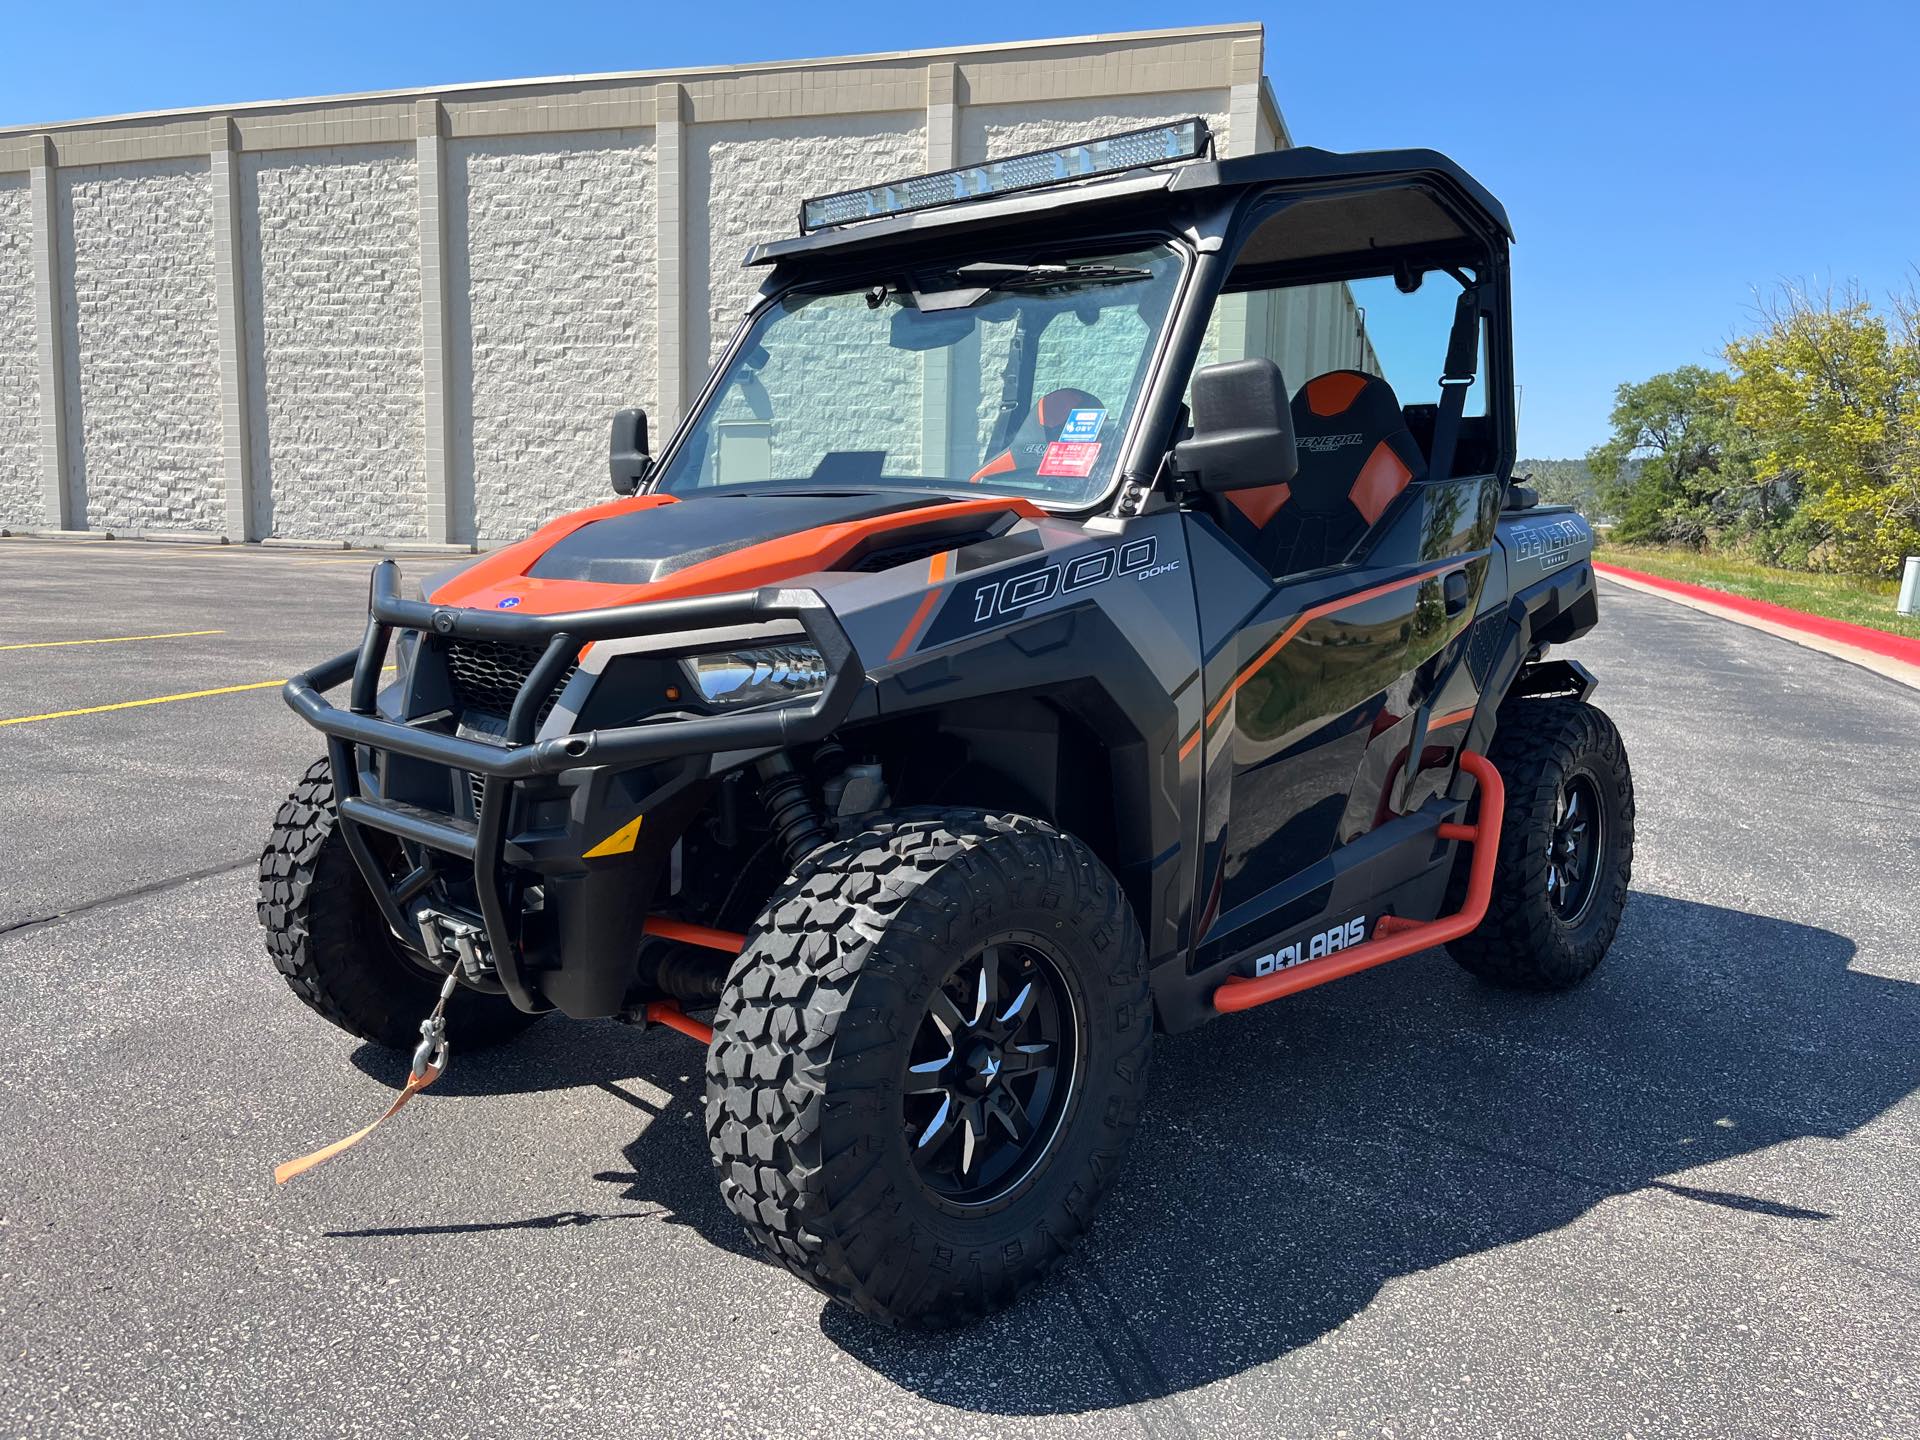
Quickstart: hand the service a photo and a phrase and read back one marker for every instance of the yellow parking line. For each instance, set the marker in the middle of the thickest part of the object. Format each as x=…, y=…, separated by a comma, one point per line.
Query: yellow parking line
x=155, y=700
x=110, y=640
x=132, y=704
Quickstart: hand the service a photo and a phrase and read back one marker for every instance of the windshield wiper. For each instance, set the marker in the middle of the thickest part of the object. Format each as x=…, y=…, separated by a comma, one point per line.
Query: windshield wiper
x=1001, y=275
x=981, y=278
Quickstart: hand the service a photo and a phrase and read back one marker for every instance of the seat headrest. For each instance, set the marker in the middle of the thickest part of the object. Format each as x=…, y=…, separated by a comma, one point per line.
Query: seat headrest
x=1343, y=401
x=1353, y=442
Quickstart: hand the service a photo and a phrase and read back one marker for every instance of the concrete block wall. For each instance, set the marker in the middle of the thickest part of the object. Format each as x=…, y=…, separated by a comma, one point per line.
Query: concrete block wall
x=1015, y=127
x=753, y=174
x=553, y=286
x=141, y=351
x=406, y=317
x=331, y=291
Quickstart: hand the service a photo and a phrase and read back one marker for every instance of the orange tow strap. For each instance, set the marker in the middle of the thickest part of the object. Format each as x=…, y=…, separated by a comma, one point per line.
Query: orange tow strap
x=415, y=1084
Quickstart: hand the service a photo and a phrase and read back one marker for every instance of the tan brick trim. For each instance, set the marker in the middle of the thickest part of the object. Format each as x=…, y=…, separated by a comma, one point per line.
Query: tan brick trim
x=229, y=284
x=1081, y=67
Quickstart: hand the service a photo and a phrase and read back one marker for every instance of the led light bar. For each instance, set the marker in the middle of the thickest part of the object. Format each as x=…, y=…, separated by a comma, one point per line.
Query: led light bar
x=1155, y=145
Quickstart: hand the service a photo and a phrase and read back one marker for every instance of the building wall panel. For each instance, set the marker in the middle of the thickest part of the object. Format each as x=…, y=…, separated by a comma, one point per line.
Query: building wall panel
x=754, y=174
x=987, y=131
x=142, y=351
x=553, y=283
x=332, y=297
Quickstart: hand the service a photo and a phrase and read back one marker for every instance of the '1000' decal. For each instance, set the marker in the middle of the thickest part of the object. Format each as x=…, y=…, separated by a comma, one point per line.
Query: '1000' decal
x=1010, y=596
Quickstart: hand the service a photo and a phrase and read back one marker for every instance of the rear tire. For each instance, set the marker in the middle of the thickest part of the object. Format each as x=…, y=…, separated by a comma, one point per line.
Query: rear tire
x=840, y=1110
x=1558, y=889
x=326, y=935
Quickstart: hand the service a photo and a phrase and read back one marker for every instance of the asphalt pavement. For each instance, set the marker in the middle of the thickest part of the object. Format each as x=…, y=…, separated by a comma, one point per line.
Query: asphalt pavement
x=1677, y=1202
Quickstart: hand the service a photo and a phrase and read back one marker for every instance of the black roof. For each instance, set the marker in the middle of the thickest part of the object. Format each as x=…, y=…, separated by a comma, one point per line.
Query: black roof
x=1189, y=180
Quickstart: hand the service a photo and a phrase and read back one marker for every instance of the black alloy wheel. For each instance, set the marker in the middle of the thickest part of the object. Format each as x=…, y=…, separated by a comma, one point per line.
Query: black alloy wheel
x=1565, y=860
x=991, y=1073
x=928, y=1061
x=1574, y=846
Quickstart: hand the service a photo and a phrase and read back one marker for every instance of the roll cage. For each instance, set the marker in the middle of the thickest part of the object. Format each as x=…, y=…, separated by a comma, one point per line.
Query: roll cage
x=1402, y=213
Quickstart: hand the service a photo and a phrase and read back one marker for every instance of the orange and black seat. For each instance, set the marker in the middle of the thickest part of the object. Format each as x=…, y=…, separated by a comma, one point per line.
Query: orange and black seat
x=1356, y=455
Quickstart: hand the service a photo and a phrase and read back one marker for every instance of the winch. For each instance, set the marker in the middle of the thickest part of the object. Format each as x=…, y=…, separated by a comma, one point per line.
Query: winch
x=454, y=940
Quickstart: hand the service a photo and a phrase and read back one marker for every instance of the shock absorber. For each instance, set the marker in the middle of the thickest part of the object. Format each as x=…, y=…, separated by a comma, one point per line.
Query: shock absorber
x=799, y=826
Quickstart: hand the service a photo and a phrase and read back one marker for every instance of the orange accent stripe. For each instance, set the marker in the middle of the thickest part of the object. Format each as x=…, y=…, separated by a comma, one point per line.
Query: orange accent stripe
x=1483, y=835
x=500, y=570
x=1344, y=602
x=1260, y=503
x=1332, y=393
x=1192, y=740
x=999, y=465
x=1384, y=476
x=1452, y=717
x=936, y=572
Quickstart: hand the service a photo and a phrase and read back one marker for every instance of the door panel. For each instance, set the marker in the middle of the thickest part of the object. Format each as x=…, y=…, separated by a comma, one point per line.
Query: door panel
x=1311, y=701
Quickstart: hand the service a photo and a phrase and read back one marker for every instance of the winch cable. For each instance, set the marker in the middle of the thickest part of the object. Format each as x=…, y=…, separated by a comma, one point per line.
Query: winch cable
x=430, y=1056
x=429, y=1063
x=415, y=1084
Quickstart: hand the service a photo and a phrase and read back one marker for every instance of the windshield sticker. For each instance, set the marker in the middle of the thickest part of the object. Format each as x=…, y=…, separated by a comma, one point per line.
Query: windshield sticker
x=1070, y=457
x=1083, y=425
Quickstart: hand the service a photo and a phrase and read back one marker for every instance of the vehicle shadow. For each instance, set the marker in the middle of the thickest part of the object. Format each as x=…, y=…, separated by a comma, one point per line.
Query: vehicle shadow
x=656, y=1071
x=1292, y=1161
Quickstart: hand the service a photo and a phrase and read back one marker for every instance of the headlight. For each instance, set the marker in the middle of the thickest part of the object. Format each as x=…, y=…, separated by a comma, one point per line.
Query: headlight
x=754, y=677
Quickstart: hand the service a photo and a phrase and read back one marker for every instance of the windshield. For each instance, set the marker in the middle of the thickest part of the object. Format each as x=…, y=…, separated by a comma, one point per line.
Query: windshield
x=1011, y=376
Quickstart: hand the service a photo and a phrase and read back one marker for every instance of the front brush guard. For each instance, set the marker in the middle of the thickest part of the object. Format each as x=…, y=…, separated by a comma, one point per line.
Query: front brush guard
x=360, y=727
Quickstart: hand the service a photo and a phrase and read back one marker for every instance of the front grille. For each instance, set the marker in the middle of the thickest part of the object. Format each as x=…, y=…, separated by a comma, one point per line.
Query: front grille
x=487, y=674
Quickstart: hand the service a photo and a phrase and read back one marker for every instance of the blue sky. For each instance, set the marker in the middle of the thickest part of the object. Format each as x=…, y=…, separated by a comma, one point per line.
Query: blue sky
x=1660, y=161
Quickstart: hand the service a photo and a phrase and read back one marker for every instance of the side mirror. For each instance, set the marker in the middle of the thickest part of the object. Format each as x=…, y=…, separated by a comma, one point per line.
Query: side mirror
x=628, y=451
x=1242, y=428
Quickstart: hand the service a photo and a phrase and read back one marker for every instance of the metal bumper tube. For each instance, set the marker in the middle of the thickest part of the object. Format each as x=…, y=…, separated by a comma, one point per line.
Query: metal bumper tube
x=521, y=757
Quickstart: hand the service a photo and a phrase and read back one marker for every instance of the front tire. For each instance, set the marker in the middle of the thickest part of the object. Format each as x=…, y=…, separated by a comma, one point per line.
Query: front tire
x=928, y=1062
x=326, y=936
x=1566, y=848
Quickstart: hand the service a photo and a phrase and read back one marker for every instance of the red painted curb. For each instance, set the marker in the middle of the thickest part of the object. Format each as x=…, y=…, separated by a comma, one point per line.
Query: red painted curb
x=1862, y=637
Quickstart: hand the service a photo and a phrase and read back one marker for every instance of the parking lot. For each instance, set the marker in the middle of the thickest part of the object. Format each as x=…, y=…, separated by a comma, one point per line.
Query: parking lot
x=1679, y=1201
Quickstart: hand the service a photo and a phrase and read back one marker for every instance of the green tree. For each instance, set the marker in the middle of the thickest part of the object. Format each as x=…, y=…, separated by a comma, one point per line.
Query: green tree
x=1561, y=482
x=1676, y=464
x=1830, y=388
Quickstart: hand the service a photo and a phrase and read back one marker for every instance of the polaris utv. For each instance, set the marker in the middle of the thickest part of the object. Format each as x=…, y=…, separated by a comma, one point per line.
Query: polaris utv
x=1000, y=664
